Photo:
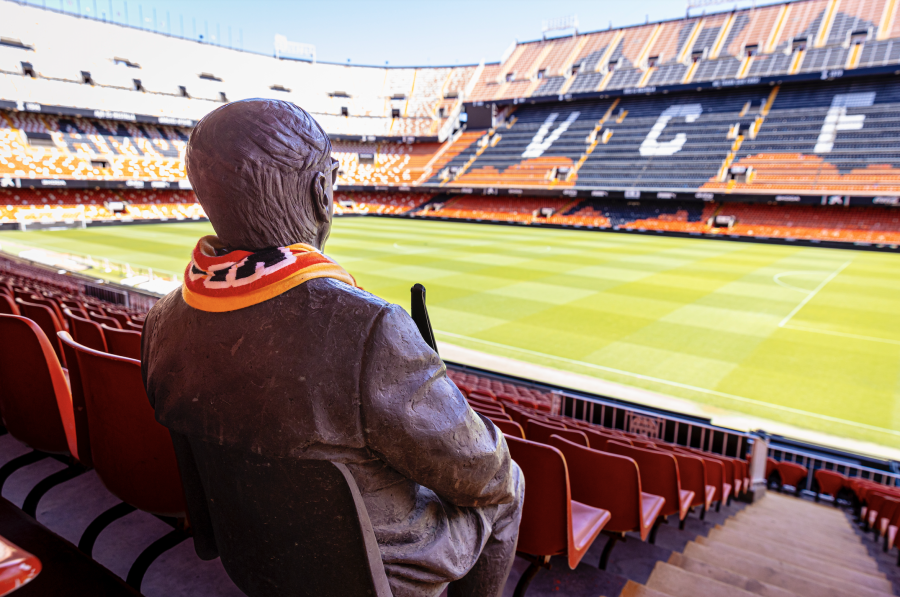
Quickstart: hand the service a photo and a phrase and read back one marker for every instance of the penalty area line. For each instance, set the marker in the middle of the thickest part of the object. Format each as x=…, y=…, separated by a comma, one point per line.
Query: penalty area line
x=809, y=296
x=676, y=384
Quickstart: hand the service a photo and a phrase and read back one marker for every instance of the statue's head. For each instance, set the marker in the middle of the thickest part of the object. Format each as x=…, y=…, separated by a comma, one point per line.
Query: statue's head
x=263, y=172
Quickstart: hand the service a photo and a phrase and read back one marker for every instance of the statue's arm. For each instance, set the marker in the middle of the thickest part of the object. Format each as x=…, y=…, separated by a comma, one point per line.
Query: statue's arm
x=417, y=420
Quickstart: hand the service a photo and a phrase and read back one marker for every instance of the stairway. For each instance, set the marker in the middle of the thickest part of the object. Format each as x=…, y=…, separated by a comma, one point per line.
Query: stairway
x=778, y=547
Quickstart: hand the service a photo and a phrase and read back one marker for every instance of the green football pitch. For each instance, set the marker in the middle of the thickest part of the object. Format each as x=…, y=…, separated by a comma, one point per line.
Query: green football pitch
x=805, y=336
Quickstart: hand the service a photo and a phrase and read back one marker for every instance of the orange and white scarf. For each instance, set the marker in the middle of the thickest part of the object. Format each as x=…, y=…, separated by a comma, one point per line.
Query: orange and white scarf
x=219, y=281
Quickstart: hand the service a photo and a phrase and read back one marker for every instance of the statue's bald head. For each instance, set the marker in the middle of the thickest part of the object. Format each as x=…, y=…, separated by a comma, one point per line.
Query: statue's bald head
x=262, y=170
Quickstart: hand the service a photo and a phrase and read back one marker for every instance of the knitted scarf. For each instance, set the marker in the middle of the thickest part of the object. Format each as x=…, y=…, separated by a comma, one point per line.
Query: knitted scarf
x=218, y=280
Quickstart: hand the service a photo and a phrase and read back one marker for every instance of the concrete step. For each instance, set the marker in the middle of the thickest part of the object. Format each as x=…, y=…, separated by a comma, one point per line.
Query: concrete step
x=793, y=556
x=678, y=582
x=809, y=529
x=843, y=546
x=798, y=580
x=826, y=554
x=795, y=522
x=633, y=589
x=825, y=573
x=728, y=577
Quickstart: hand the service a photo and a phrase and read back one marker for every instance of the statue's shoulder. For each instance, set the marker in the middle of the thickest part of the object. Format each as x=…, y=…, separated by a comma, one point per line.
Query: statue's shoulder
x=342, y=296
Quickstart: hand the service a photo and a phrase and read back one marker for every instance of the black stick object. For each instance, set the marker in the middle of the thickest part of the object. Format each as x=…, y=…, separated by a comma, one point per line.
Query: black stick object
x=420, y=316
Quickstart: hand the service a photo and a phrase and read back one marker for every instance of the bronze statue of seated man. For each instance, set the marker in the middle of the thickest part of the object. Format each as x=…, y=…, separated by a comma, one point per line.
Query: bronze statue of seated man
x=272, y=351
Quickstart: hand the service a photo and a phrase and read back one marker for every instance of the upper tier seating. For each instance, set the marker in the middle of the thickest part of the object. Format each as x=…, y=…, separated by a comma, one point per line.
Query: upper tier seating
x=805, y=36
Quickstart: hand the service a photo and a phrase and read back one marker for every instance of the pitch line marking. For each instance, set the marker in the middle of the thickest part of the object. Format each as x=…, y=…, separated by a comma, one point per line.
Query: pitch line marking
x=810, y=296
x=777, y=279
x=842, y=334
x=676, y=384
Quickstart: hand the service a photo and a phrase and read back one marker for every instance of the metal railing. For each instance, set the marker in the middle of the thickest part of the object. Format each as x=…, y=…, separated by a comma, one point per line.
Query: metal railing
x=848, y=467
x=669, y=427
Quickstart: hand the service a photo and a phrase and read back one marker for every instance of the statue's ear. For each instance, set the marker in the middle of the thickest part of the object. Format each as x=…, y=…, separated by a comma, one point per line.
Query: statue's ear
x=320, y=199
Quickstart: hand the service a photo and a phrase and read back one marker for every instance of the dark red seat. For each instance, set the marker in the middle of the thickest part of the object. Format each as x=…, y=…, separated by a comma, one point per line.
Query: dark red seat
x=47, y=321
x=137, y=327
x=82, y=435
x=792, y=474
x=659, y=476
x=36, y=405
x=508, y=427
x=132, y=453
x=86, y=332
x=829, y=483
x=553, y=523
x=715, y=475
x=8, y=305
x=119, y=316
x=489, y=412
x=107, y=321
x=124, y=343
x=692, y=470
x=541, y=432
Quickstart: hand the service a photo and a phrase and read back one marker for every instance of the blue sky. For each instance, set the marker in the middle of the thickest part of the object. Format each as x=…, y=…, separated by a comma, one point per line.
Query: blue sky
x=397, y=32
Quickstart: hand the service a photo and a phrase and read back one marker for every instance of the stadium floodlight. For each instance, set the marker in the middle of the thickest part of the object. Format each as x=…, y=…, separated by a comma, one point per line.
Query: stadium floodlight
x=560, y=24
x=293, y=49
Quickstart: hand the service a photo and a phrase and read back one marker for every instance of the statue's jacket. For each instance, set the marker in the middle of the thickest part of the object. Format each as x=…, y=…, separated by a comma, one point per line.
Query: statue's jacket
x=330, y=372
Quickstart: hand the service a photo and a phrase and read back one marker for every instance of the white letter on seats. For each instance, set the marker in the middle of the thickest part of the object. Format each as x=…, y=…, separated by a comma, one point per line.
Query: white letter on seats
x=837, y=118
x=652, y=147
x=538, y=144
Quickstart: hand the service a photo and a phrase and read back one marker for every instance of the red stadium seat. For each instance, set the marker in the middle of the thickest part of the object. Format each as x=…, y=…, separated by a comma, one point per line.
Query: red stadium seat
x=82, y=436
x=791, y=474
x=541, y=432
x=46, y=319
x=36, y=404
x=109, y=322
x=715, y=475
x=692, y=470
x=86, y=332
x=508, y=427
x=659, y=476
x=613, y=483
x=124, y=343
x=7, y=305
x=829, y=483
x=132, y=453
x=553, y=523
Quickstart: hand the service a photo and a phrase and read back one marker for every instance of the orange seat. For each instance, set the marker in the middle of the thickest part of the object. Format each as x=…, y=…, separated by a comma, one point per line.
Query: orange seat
x=540, y=432
x=692, y=471
x=46, y=320
x=659, y=476
x=509, y=428
x=616, y=489
x=86, y=332
x=490, y=412
x=553, y=523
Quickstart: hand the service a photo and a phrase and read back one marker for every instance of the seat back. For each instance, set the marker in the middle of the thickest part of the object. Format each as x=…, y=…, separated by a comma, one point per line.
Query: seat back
x=659, y=472
x=508, y=427
x=547, y=511
x=714, y=472
x=86, y=332
x=541, y=432
x=107, y=321
x=82, y=434
x=692, y=473
x=830, y=482
x=604, y=480
x=132, y=453
x=34, y=397
x=792, y=473
x=8, y=305
x=312, y=537
x=119, y=316
x=49, y=303
x=124, y=343
x=46, y=320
